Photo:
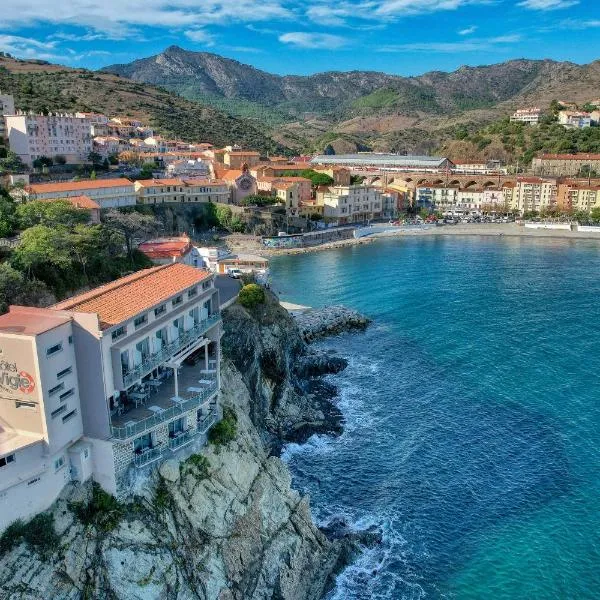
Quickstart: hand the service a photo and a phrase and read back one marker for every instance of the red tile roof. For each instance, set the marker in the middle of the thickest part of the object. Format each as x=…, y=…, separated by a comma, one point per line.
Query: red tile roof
x=71, y=186
x=124, y=298
x=76, y=201
x=28, y=320
x=166, y=247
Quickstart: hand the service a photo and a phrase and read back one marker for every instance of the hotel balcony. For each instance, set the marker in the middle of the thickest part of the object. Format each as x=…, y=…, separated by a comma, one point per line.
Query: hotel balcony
x=166, y=353
x=140, y=412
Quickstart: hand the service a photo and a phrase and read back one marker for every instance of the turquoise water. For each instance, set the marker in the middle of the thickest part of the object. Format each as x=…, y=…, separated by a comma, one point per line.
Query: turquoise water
x=473, y=415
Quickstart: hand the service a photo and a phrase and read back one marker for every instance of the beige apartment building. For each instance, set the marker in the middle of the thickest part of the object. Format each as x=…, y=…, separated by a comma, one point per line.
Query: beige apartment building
x=107, y=193
x=33, y=136
x=352, y=204
x=534, y=194
x=566, y=165
x=105, y=384
x=168, y=191
x=578, y=196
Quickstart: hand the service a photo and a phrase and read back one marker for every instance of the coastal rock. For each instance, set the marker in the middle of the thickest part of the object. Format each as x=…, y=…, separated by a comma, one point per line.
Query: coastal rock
x=321, y=322
x=169, y=470
x=321, y=363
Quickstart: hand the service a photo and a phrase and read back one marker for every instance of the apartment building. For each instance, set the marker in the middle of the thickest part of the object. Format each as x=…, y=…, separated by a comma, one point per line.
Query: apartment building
x=265, y=184
x=288, y=194
x=534, y=194
x=575, y=197
x=573, y=119
x=352, y=204
x=167, y=250
x=456, y=200
x=32, y=136
x=7, y=107
x=531, y=116
x=438, y=197
x=567, y=165
x=236, y=159
x=107, y=193
x=106, y=383
x=166, y=191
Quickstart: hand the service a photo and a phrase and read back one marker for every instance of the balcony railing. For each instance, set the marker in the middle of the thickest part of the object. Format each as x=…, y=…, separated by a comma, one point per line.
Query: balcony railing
x=147, y=456
x=182, y=439
x=207, y=422
x=167, y=351
x=139, y=427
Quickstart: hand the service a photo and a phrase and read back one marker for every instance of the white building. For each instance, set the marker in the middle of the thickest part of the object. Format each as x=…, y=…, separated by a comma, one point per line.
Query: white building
x=189, y=168
x=107, y=193
x=531, y=116
x=33, y=136
x=106, y=383
x=352, y=203
x=7, y=107
x=574, y=119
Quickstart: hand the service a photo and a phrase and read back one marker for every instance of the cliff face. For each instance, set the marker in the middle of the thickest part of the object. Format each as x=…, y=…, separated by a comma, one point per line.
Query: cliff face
x=234, y=530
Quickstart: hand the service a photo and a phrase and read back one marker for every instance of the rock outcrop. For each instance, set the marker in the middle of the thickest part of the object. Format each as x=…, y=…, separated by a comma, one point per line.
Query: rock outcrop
x=225, y=525
x=331, y=320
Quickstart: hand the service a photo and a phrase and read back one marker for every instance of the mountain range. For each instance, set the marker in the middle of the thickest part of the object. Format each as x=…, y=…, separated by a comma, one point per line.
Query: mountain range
x=364, y=109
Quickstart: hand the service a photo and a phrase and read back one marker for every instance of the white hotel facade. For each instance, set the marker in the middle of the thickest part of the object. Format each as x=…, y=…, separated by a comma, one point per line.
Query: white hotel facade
x=106, y=384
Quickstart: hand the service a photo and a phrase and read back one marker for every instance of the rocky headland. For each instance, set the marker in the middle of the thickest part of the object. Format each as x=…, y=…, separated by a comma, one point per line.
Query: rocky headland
x=316, y=323
x=222, y=524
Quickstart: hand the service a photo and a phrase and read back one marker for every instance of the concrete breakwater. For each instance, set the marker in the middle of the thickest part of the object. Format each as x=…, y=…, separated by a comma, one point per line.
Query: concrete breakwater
x=316, y=323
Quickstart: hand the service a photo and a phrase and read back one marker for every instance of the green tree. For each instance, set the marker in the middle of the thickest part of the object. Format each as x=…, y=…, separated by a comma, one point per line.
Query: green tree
x=11, y=163
x=42, y=161
x=57, y=212
x=8, y=219
x=131, y=224
x=257, y=200
x=595, y=214
x=251, y=295
x=16, y=289
x=59, y=159
x=94, y=158
x=41, y=247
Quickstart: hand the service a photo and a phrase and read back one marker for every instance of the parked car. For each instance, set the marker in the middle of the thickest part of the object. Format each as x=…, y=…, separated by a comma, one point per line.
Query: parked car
x=235, y=273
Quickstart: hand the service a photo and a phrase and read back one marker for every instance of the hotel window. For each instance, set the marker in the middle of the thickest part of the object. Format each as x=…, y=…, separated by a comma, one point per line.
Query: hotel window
x=58, y=411
x=54, y=349
x=59, y=463
x=66, y=394
x=5, y=460
x=177, y=300
x=119, y=332
x=24, y=404
x=140, y=321
x=206, y=284
x=69, y=416
x=160, y=310
x=193, y=292
x=56, y=388
x=70, y=339
x=64, y=372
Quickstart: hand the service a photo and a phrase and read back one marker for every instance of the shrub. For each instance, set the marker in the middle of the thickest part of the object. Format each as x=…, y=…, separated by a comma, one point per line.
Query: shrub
x=199, y=463
x=103, y=510
x=225, y=430
x=40, y=535
x=251, y=295
x=162, y=495
x=12, y=536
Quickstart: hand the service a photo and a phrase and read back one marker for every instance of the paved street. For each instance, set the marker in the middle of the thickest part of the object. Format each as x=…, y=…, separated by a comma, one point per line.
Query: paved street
x=228, y=287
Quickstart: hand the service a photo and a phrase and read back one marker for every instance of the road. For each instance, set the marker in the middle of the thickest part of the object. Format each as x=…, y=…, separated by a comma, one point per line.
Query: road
x=228, y=288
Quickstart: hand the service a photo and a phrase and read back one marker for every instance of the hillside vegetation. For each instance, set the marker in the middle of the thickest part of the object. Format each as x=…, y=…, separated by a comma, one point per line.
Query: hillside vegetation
x=44, y=87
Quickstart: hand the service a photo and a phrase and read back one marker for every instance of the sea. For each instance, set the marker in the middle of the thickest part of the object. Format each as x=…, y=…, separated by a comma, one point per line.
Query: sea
x=472, y=415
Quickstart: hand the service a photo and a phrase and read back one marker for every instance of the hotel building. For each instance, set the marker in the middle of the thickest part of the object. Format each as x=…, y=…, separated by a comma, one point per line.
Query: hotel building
x=531, y=116
x=352, y=204
x=33, y=136
x=168, y=191
x=106, y=383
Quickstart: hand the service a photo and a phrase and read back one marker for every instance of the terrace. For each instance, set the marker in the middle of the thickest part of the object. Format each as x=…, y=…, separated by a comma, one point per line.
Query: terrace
x=163, y=397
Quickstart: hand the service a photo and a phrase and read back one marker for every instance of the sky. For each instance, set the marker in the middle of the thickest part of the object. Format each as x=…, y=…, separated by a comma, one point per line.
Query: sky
x=405, y=37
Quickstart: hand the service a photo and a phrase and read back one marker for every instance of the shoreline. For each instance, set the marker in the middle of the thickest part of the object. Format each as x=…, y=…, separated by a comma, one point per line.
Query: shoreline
x=250, y=243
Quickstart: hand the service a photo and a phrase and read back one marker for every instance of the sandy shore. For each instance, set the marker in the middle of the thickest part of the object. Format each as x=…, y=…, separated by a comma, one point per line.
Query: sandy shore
x=252, y=244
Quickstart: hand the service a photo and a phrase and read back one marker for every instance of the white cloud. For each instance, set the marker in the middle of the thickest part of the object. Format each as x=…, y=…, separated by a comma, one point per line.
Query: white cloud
x=200, y=36
x=547, y=4
x=577, y=24
x=468, y=30
x=302, y=39
x=471, y=45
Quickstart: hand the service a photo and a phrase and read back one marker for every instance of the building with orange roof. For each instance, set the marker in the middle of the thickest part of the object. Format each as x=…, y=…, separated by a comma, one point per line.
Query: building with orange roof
x=176, y=190
x=107, y=193
x=106, y=383
x=240, y=183
x=166, y=250
x=236, y=159
x=265, y=184
x=82, y=202
x=578, y=196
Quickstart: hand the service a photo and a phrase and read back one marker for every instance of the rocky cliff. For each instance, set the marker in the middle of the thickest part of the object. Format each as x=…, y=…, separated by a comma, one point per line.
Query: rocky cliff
x=224, y=524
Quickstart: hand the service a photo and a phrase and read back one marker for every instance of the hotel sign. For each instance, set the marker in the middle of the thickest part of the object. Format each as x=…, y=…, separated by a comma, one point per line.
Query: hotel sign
x=12, y=379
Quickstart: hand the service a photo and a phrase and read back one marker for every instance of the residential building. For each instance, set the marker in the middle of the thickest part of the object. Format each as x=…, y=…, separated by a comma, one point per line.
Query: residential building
x=438, y=197
x=236, y=159
x=107, y=146
x=107, y=193
x=33, y=136
x=164, y=251
x=567, y=165
x=189, y=168
x=574, y=119
x=7, y=107
x=576, y=196
x=531, y=116
x=265, y=184
x=534, y=194
x=289, y=195
x=168, y=191
x=352, y=204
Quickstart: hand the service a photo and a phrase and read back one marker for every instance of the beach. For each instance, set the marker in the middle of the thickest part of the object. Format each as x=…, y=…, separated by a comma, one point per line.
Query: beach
x=250, y=243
